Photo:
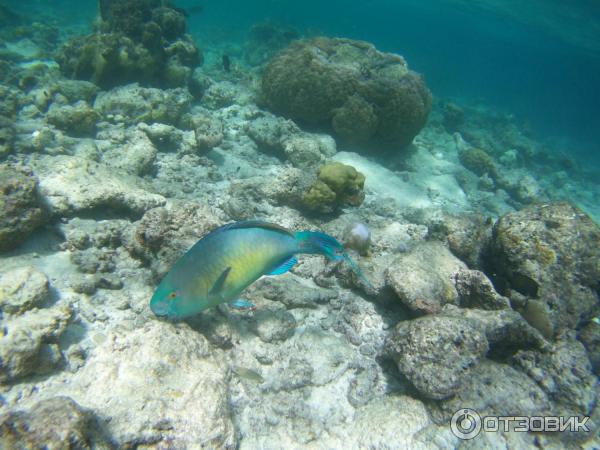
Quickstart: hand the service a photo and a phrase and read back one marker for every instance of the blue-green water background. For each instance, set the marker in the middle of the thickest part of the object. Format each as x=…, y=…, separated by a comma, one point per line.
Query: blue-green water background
x=539, y=60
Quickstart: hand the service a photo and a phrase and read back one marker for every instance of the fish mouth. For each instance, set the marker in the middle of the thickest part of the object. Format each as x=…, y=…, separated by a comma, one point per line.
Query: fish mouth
x=160, y=309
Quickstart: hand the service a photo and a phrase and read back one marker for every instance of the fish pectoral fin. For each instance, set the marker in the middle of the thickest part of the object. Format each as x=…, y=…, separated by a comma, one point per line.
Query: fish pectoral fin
x=285, y=266
x=241, y=304
x=218, y=286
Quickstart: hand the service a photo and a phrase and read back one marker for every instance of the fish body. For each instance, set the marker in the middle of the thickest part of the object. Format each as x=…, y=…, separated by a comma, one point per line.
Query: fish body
x=248, y=374
x=226, y=63
x=227, y=260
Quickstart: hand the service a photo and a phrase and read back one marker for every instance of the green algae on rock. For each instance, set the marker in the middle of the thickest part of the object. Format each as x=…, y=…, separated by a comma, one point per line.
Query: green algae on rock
x=363, y=95
x=337, y=184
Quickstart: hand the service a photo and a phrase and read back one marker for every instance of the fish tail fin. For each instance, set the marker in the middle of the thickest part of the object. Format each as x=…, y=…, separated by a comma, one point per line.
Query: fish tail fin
x=357, y=271
x=316, y=242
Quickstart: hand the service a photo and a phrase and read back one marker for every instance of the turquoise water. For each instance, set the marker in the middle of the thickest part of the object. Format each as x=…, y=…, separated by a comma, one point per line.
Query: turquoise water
x=543, y=68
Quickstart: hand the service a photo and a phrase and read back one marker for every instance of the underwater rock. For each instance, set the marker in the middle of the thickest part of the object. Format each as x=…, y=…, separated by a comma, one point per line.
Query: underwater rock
x=281, y=137
x=78, y=119
x=476, y=291
x=8, y=111
x=22, y=289
x=497, y=133
x=142, y=41
x=527, y=190
x=288, y=187
x=273, y=325
x=93, y=260
x=183, y=55
x=136, y=155
x=359, y=321
x=164, y=137
x=495, y=389
x=478, y=161
x=293, y=293
x=418, y=286
x=44, y=139
x=565, y=374
x=51, y=424
x=295, y=373
x=164, y=234
x=187, y=401
x=306, y=151
x=362, y=388
x=74, y=90
x=546, y=259
x=132, y=104
x=437, y=352
x=7, y=136
x=365, y=96
x=110, y=59
x=392, y=421
x=21, y=209
x=589, y=336
x=468, y=237
x=246, y=198
x=505, y=330
x=81, y=234
x=223, y=94
x=208, y=132
x=29, y=344
x=67, y=184
x=337, y=185
x=270, y=132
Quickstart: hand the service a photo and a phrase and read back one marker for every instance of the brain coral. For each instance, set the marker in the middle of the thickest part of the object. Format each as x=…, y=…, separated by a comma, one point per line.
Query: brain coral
x=363, y=95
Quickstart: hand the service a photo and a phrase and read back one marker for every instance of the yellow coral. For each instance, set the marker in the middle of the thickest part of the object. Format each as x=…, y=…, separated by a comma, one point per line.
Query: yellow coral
x=337, y=184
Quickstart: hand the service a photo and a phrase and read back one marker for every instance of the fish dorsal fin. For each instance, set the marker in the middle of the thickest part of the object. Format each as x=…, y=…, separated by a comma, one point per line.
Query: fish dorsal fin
x=284, y=266
x=218, y=286
x=251, y=224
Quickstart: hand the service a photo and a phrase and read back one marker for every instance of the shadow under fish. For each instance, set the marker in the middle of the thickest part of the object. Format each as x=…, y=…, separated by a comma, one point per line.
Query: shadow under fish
x=227, y=260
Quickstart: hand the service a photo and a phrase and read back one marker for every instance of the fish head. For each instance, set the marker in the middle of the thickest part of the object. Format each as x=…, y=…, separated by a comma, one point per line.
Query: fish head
x=176, y=300
x=164, y=302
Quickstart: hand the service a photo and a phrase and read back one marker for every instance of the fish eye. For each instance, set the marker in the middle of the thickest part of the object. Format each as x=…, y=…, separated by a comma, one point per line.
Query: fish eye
x=172, y=295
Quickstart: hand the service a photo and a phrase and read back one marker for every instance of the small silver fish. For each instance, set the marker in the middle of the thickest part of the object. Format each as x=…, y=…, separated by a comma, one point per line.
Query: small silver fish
x=248, y=374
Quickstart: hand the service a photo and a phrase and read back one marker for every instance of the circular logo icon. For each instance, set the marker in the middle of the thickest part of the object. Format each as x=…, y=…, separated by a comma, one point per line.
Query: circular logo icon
x=465, y=423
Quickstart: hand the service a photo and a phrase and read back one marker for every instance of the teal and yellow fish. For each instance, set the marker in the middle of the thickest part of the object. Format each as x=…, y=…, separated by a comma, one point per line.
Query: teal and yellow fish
x=227, y=260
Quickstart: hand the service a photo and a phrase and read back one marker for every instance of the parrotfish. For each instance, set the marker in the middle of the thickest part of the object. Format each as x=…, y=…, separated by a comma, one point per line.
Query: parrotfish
x=229, y=259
